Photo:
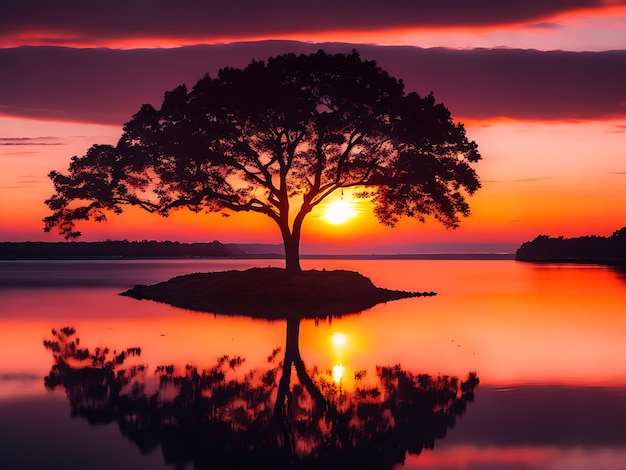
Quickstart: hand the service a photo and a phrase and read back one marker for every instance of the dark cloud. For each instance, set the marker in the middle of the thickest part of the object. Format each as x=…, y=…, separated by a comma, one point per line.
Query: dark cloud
x=525, y=84
x=250, y=18
x=109, y=86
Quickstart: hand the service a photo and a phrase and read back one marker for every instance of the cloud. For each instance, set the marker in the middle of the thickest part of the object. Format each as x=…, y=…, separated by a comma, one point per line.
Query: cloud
x=18, y=154
x=30, y=179
x=546, y=25
x=108, y=86
x=617, y=129
x=519, y=180
x=88, y=22
x=29, y=141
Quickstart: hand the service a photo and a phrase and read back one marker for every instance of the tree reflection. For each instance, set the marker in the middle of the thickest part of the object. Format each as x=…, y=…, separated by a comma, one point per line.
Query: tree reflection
x=283, y=416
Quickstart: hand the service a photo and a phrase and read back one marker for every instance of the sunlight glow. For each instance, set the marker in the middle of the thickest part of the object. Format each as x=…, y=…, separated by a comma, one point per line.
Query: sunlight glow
x=338, y=212
x=338, y=372
x=339, y=339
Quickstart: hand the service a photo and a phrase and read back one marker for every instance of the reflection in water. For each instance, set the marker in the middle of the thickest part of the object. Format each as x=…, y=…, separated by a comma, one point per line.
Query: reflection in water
x=226, y=418
x=620, y=269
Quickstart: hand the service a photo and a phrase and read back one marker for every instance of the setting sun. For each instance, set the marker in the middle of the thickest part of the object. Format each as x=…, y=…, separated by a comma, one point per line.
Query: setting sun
x=338, y=212
x=339, y=339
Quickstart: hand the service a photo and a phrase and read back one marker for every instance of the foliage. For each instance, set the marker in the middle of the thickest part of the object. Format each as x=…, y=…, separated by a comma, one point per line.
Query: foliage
x=586, y=249
x=277, y=138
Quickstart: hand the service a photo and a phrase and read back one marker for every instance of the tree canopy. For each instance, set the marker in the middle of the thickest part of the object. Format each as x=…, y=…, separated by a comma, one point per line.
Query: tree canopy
x=586, y=249
x=277, y=138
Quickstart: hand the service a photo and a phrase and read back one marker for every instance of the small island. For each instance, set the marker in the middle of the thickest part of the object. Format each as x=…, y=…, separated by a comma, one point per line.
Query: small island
x=272, y=293
x=591, y=249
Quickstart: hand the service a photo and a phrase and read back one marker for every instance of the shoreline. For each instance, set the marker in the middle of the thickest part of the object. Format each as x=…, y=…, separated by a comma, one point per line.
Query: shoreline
x=373, y=257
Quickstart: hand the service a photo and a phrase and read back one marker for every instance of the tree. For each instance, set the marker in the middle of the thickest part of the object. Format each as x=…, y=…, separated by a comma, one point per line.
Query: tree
x=277, y=138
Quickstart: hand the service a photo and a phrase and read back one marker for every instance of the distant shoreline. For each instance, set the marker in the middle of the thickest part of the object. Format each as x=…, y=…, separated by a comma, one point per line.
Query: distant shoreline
x=417, y=256
x=125, y=250
x=606, y=251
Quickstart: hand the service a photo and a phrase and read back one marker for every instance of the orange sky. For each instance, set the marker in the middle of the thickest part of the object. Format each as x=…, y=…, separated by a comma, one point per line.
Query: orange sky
x=553, y=166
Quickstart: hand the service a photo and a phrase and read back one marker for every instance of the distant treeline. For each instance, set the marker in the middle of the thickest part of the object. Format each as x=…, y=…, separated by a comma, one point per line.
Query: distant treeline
x=588, y=249
x=114, y=249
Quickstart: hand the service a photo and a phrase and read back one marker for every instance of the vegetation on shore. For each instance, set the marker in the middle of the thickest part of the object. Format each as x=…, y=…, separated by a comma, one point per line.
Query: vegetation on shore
x=587, y=249
x=271, y=293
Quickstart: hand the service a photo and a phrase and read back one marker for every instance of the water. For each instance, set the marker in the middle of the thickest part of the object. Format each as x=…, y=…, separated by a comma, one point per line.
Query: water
x=546, y=342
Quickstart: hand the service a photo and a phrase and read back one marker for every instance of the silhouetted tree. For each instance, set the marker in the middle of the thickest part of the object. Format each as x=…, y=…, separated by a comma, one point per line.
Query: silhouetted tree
x=621, y=233
x=218, y=418
x=586, y=249
x=277, y=138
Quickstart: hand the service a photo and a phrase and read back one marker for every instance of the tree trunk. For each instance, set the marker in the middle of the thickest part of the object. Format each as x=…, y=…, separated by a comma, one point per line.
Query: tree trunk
x=293, y=359
x=292, y=251
x=291, y=352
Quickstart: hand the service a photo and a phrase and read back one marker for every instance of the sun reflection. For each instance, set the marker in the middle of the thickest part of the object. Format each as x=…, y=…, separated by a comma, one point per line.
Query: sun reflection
x=339, y=341
x=338, y=372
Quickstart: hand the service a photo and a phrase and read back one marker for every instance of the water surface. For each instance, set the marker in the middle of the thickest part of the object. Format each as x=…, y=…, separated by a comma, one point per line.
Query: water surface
x=546, y=341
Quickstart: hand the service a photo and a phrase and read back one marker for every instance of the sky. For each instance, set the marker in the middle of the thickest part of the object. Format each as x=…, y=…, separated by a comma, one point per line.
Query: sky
x=538, y=84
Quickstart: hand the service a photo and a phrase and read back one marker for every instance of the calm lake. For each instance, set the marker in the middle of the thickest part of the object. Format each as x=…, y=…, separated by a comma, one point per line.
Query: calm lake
x=376, y=389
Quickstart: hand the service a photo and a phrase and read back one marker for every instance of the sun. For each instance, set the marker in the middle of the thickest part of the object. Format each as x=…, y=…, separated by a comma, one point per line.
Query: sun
x=339, y=339
x=338, y=212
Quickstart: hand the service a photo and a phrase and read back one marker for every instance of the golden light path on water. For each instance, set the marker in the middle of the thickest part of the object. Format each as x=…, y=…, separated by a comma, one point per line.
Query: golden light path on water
x=530, y=332
x=339, y=341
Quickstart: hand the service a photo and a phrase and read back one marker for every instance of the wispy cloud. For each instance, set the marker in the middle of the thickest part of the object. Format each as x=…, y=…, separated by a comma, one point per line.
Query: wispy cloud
x=519, y=180
x=617, y=129
x=23, y=182
x=546, y=25
x=30, y=141
x=11, y=153
x=30, y=179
